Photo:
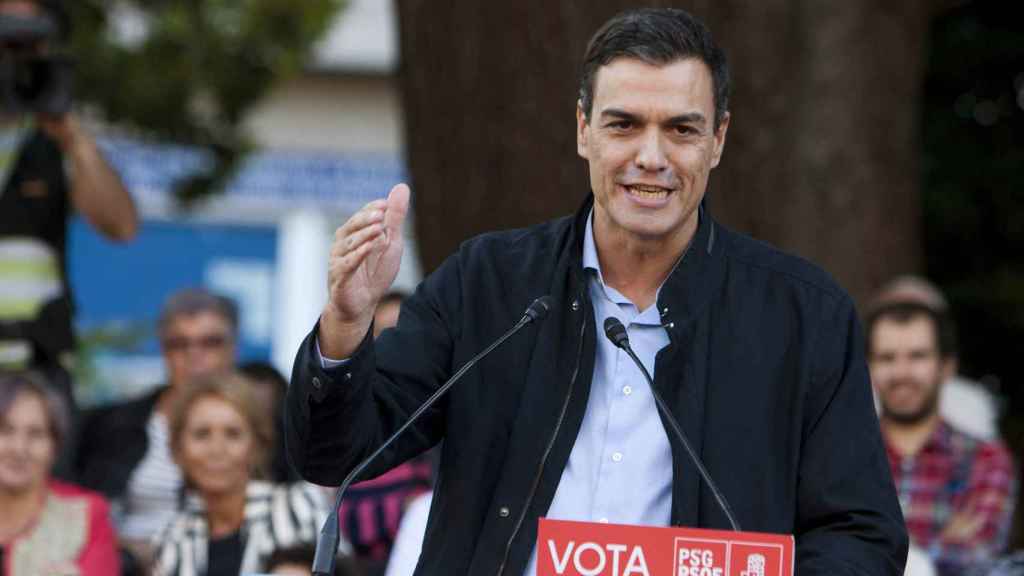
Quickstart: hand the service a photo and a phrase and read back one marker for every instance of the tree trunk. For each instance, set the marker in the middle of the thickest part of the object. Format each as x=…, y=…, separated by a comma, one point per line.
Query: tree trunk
x=821, y=158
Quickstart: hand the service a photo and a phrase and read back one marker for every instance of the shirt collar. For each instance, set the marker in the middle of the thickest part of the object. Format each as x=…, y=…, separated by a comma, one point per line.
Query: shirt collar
x=591, y=261
x=939, y=441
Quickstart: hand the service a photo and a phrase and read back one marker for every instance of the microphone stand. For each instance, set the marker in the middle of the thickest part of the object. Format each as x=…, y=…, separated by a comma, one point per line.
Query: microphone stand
x=616, y=332
x=327, y=542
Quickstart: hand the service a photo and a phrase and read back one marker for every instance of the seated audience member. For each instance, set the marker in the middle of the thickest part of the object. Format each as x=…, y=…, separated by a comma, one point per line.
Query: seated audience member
x=46, y=527
x=956, y=490
x=298, y=561
x=372, y=510
x=124, y=451
x=269, y=387
x=963, y=403
x=231, y=522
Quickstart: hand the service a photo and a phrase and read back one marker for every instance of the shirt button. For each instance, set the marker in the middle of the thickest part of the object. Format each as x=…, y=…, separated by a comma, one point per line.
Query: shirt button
x=627, y=390
x=504, y=512
x=617, y=457
x=316, y=383
x=575, y=305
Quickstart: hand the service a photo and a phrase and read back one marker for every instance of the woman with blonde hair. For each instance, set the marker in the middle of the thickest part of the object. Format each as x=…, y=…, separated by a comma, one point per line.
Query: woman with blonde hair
x=46, y=527
x=232, y=520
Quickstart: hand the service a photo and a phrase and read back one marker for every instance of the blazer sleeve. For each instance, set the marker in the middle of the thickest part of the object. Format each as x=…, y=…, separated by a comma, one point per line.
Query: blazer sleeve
x=336, y=417
x=848, y=515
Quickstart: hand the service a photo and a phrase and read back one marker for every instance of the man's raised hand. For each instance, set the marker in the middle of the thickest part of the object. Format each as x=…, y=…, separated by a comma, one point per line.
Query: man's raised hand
x=364, y=260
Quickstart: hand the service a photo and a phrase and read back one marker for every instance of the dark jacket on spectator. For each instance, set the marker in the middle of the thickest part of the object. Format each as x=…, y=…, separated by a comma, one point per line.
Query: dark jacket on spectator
x=113, y=443
x=765, y=372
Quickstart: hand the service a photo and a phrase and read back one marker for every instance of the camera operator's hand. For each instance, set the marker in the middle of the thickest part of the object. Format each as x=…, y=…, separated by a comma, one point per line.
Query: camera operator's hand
x=96, y=190
x=64, y=130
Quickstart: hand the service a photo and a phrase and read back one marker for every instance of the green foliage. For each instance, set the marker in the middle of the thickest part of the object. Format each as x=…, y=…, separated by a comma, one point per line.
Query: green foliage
x=187, y=71
x=90, y=387
x=973, y=137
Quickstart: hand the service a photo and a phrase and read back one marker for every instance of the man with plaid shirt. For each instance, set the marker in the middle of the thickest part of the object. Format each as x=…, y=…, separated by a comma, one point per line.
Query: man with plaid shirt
x=956, y=491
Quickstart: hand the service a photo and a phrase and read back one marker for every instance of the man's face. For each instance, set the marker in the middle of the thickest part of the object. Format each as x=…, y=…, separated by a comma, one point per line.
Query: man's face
x=651, y=144
x=906, y=368
x=197, y=345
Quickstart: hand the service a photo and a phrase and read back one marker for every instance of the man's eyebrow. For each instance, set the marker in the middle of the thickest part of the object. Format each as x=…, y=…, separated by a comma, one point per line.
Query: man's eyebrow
x=688, y=118
x=617, y=113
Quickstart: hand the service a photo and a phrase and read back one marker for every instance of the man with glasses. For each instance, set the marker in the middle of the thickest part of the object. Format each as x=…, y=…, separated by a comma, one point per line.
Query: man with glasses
x=124, y=452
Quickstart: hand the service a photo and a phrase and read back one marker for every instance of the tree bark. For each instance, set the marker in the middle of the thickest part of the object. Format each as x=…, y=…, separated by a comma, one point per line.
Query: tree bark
x=821, y=158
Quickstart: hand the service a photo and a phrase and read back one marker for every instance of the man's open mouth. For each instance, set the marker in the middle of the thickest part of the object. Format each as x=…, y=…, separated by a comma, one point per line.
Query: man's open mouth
x=647, y=191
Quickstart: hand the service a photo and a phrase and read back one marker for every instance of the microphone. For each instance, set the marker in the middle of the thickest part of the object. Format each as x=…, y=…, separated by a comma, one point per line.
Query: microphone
x=616, y=332
x=327, y=542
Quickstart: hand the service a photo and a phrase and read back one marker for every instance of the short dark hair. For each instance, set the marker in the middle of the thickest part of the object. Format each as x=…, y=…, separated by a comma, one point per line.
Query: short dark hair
x=304, y=555
x=192, y=301
x=57, y=415
x=263, y=372
x=656, y=36
x=906, y=311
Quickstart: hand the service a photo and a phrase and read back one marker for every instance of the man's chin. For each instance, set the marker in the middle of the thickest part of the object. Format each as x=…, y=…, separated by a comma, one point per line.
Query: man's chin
x=908, y=417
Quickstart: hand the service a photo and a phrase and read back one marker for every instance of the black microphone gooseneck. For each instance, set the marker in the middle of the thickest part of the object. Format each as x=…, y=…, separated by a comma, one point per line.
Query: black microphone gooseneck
x=327, y=542
x=616, y=332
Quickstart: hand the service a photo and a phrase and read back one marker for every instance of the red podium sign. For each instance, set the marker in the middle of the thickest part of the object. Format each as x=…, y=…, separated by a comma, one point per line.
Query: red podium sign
x=590, y=549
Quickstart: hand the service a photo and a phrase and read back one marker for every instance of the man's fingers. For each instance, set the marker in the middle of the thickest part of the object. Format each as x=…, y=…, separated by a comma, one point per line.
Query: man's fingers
x=351, y=260
x=372, y=213
x=397, y=208
x=358, y=238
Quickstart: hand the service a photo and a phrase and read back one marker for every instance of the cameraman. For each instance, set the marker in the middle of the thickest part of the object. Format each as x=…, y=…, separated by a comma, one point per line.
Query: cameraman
x=49, y=165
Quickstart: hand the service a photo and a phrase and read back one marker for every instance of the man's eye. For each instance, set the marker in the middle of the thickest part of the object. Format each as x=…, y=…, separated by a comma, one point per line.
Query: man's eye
x=685, y=130
x=621, y=125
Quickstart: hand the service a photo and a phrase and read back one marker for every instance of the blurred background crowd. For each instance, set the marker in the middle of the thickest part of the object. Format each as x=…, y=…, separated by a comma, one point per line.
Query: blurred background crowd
x=171, y=174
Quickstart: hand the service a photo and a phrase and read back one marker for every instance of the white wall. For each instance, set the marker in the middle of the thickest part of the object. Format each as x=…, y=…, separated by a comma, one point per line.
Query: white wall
x=331, y=113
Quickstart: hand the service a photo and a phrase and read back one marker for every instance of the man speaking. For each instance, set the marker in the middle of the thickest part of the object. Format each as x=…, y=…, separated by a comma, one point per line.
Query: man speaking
x=758, y=355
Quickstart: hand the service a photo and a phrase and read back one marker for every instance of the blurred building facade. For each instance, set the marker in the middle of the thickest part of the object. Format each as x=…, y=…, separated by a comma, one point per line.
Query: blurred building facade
x=331, y=140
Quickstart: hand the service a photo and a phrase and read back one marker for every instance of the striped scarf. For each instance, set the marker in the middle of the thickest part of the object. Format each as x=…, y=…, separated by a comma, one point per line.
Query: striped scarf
x=276, y=516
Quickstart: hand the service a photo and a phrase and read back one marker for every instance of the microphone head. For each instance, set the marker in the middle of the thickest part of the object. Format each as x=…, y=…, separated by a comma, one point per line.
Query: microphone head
x=539, y=308
x=616, y=332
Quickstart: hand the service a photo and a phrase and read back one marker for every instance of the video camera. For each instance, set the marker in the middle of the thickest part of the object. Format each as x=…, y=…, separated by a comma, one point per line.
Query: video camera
x=32, y=80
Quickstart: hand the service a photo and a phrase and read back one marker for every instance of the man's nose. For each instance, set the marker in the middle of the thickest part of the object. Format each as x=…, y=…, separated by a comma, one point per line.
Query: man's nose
x=900, y=368
x=651, y=155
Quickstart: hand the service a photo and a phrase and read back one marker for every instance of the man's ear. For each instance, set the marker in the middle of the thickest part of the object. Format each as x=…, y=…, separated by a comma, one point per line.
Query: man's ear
x=723, y=128
x=582, y=130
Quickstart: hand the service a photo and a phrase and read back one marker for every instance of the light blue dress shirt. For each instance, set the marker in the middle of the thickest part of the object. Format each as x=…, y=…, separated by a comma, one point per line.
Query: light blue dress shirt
x=620, y=468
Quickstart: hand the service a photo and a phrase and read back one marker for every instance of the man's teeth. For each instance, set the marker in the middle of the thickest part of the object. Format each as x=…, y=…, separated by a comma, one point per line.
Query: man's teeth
x=648, y=191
